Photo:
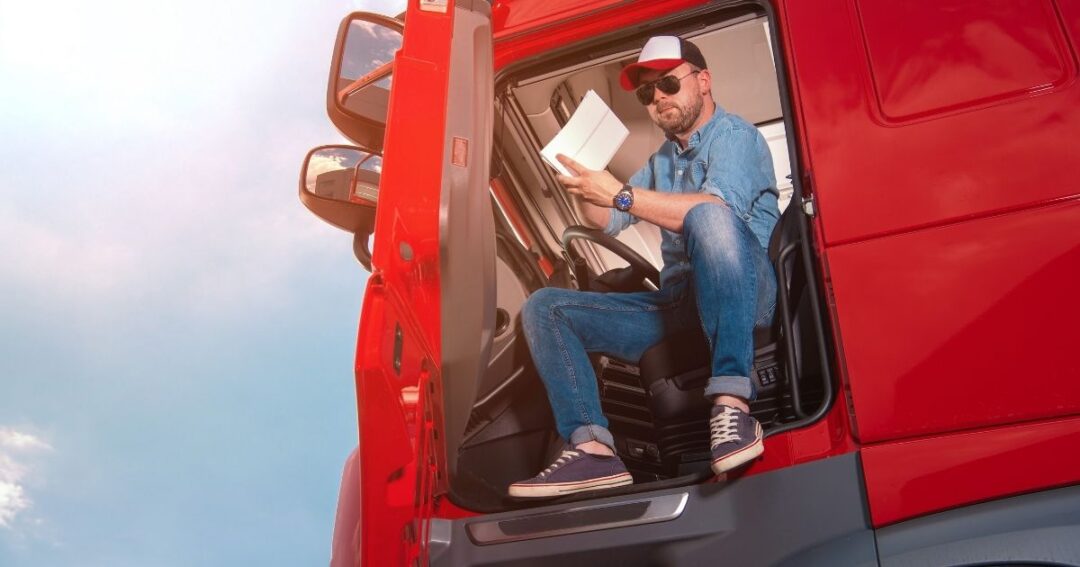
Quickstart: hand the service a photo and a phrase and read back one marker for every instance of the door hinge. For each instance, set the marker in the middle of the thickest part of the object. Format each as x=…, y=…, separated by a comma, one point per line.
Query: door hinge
x=808, y=206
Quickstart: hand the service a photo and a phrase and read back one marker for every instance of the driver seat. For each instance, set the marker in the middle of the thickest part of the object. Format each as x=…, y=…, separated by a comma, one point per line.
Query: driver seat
x=674, y=372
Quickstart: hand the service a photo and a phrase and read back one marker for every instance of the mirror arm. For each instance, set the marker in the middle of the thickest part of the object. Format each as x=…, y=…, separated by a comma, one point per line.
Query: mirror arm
x=360, y=249
x=380, y=72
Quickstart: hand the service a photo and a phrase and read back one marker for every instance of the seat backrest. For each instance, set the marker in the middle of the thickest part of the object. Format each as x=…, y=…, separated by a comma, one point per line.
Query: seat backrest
x=786, y=231
x=785, y=251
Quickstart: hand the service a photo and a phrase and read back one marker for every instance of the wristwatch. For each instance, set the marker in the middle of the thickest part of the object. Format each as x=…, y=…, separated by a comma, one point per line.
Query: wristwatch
x=624, y=199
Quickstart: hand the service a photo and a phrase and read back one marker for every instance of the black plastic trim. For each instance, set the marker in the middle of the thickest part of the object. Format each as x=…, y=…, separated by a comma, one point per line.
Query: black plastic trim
x=467, y=280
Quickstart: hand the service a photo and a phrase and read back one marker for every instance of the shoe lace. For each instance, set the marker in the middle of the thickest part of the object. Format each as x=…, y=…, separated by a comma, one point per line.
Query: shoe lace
x=566, y=456
x=724, y=427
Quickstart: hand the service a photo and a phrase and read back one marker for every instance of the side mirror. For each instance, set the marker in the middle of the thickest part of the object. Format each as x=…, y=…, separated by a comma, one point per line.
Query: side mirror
x=340, y=184
x=358, y=92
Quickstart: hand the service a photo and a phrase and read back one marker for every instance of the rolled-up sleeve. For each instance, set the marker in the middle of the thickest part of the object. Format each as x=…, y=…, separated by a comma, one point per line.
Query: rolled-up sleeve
x=619, y=220
x=733, y=171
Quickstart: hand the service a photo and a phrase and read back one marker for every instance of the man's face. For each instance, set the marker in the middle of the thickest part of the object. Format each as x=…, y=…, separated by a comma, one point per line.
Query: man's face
x=677, y=113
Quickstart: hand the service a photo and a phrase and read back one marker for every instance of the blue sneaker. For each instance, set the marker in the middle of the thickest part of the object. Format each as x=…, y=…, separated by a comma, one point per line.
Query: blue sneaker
x=574, y=471
x=736, y=438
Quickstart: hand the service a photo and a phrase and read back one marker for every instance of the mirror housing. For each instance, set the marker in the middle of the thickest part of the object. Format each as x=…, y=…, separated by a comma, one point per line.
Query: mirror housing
x=340, y=185
x=358, y=91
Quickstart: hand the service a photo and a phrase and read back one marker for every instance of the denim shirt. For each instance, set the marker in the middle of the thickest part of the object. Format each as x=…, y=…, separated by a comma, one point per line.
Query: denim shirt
x=727, y=157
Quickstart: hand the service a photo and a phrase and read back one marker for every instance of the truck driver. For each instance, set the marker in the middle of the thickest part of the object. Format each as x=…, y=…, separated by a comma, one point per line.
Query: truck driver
x=711, y=189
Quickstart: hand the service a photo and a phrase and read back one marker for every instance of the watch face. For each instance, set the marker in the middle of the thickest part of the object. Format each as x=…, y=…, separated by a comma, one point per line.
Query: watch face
x=624, y=200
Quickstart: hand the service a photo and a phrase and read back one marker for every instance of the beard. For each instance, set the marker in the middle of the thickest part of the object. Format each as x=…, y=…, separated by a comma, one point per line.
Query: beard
x=682, y=118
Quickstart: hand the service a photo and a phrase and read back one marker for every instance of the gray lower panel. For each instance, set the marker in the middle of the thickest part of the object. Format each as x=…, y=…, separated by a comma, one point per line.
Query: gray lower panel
x=809, y=515
x=1033, y=529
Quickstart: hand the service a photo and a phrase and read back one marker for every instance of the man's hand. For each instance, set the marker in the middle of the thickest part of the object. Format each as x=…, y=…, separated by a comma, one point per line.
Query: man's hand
x=595, y=187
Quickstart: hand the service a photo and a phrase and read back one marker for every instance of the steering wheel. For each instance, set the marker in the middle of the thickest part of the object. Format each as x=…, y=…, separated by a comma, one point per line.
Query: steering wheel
x=640, y=267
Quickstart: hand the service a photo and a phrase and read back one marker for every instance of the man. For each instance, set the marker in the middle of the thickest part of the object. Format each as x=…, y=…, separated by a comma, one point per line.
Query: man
x=711, y=189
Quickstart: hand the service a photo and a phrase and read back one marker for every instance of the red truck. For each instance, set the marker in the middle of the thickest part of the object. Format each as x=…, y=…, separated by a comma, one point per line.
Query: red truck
x=919, y=389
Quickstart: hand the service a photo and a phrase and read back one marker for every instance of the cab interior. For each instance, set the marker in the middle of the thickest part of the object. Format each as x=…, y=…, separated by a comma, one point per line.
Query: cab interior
x=655, y=405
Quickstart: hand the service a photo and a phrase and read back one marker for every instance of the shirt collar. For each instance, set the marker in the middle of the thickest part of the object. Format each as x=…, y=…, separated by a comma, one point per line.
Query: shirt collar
x=695, y=138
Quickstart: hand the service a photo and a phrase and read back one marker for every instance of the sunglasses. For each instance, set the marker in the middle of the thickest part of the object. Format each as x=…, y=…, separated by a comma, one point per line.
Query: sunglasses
x=668, y=84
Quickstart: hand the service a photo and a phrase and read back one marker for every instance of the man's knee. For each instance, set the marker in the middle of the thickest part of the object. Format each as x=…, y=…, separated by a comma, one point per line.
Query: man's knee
x=711, y=229
x=710, y=220
x=540, y=304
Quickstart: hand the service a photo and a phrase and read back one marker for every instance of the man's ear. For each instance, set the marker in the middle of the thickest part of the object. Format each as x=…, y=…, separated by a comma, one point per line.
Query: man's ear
x=705, y=81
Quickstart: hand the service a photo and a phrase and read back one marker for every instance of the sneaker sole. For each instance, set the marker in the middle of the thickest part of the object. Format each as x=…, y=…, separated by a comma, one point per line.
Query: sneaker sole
x=740, y=457
x=562, y=488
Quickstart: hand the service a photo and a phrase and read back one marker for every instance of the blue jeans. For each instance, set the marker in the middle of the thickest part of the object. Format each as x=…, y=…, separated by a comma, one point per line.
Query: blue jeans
x=730, y=289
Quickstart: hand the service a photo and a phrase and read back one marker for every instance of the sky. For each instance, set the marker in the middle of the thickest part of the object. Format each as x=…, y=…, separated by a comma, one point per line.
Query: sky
x=176, y=331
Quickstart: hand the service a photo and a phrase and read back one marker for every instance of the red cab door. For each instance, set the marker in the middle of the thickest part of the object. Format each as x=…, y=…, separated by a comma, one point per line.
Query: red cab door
x=428, y=310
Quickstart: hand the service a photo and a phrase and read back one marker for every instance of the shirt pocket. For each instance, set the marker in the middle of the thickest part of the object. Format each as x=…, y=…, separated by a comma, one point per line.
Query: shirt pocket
x=698, y=170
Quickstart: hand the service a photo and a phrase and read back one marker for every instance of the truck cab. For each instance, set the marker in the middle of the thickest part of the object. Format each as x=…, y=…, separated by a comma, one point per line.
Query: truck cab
x=919, y=397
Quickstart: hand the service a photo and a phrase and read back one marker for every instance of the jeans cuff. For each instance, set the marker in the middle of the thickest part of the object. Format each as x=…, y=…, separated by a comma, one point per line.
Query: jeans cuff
x=587, y=433
x=738, y=386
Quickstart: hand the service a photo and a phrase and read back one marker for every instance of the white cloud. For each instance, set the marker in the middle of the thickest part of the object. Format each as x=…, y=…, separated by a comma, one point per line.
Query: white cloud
x=11, y=439
x=15, y=446
x=12, y=502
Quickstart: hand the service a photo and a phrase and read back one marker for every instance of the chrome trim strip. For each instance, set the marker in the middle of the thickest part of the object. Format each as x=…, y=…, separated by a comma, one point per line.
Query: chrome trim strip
x=660, y=509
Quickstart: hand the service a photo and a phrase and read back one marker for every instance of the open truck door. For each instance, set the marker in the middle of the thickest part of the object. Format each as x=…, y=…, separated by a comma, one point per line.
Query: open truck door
x=427, y=319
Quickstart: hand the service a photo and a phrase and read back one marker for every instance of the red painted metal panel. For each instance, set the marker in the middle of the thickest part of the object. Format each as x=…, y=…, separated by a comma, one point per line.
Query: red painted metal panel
x=411, y=180
x=1006, y=49
x=513, y=44
x=963, y=326
x=515, y=16
x=1070, y=14
x=387, y=457
x=912, y=478
x=874, y=178
x=396, y=451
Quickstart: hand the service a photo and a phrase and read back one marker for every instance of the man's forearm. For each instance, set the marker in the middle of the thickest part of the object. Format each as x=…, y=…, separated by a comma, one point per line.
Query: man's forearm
x=595, y=215
x=595, y=190
x=667, y=210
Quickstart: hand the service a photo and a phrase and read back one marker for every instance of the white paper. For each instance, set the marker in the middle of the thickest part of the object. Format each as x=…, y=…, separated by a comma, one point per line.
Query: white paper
x=591, y=136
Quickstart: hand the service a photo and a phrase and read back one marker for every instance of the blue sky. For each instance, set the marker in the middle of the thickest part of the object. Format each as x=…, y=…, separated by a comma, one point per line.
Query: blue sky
x=176, y=330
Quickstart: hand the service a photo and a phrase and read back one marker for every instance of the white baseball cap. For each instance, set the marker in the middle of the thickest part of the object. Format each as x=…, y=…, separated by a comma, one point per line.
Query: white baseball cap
x=661, y=53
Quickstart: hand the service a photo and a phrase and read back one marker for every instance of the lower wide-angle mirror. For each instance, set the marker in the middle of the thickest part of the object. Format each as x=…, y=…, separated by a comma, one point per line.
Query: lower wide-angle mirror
x=340, y=184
